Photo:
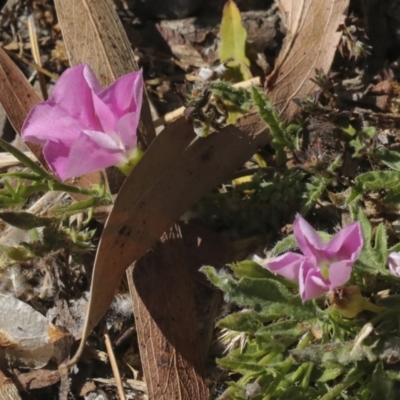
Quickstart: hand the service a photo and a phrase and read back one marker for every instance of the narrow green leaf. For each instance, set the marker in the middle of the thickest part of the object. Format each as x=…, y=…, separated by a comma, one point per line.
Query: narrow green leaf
x=244, y=321
x=233, y=43
x=390, y=158
x=250, y=269
x=19, y=155
x=381, y=386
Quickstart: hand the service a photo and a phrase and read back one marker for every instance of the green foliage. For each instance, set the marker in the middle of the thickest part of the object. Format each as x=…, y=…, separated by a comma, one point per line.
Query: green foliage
x=377, y=180
x=390, y=158
x=233, y=43
x=239, y=97
x=363, y=142
x=282, y=137
x=236, y=100
x=24, y=220
x=372, y=260
x=294, y=350
x=269, y=200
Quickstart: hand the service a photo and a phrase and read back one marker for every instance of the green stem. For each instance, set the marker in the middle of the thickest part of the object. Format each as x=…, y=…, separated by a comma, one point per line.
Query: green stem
x=19, y=155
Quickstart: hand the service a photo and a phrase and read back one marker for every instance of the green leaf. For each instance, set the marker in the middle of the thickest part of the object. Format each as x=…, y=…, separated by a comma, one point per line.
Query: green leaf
x=329, y=373
x=289, y=243
x=25, y=160
x=381, y=386
x=239, y=97
x=393, y=196
x=24, y=220
x=345, y=126
x=390, y=158
x=244, y=321
x=374, y=180
x=290, y=328
x=233, y=43
x=17, y=253
x=381, y=245
x=250, y=269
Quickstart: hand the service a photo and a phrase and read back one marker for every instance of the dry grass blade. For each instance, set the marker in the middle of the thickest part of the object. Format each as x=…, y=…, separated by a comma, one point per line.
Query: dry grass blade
x=36, y=55
x=93, y=34
x=310, y=44
x=114, y=366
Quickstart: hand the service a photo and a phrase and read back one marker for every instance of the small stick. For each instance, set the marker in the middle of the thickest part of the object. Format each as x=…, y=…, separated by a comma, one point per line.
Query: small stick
x=32, y=64
x=36, y=55
x=169, y=117
x=114, y=365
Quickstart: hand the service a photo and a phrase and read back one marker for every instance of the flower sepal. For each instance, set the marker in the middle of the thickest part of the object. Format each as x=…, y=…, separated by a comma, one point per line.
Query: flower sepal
x=126, y=168
x=349, y=302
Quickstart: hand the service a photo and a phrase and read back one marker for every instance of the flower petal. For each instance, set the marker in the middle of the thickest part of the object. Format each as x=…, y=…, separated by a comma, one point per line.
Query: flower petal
x=124, y=95
x=73, y=94
x=339, y=273
x=311, y=283
x=307, y=238
x=127, y=130
x=347, y=243
x=88, y=155
x=286, y=265
x=47, y=122
x=56, y=155
x=394, y=263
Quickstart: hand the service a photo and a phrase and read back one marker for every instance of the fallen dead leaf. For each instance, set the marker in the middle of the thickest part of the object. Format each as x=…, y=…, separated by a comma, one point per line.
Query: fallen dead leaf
x=310, y=45
x=174, y=173
x=24, y=339
x=173, y=348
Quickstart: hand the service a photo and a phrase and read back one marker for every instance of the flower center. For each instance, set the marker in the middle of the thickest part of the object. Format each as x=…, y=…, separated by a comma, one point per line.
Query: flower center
x=324, y=268
x=117, y=140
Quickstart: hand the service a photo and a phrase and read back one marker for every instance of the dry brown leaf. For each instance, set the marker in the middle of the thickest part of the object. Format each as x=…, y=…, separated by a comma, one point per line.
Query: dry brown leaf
x=310, y=44
x=173, y=347
x=17, y=97
x=174, y=173
x=93, y=34
x=24, y=339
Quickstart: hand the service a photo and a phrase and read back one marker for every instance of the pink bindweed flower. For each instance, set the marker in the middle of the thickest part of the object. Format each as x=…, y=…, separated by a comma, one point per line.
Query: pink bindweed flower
x=321, y=267
x=85, y=128
x=394, y=263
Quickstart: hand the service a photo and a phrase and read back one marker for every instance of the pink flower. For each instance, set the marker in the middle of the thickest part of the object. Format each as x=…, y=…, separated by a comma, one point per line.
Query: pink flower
x=394, y=263
x=85, y=128
x=321, y=267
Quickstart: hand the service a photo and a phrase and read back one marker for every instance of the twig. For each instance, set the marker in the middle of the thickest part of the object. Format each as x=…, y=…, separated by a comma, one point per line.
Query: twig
x=169, y=117
x=114, y=365
x=36, y=55
x=31, y=64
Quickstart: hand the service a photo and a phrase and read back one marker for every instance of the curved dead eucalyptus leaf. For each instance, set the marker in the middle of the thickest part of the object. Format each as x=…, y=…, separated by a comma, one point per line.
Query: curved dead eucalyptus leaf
x=93, y=34
x=17, y=97
x=310, y=45
x=174, y=173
